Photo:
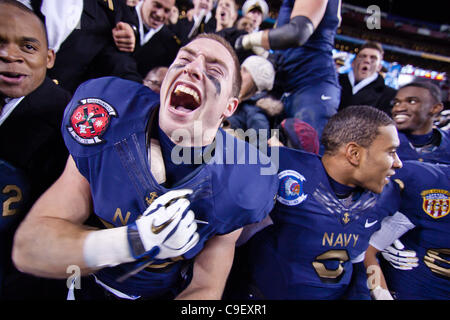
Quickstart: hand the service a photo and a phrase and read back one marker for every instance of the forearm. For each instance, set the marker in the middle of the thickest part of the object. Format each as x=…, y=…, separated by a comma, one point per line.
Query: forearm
x=207, y=288
x=291, y=35
x=374, y=274
x=211, y=268
x=47, y=251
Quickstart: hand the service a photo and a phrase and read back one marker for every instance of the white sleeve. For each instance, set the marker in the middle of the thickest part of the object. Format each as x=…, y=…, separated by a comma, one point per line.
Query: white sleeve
x=392, y=228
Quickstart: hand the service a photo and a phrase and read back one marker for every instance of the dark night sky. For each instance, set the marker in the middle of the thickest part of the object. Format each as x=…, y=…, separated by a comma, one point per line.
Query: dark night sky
x=429, y=10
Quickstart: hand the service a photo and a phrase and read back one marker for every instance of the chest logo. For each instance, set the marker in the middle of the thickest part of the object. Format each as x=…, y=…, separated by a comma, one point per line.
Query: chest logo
x=291, y=191
x=436, y=202
x=89, y=121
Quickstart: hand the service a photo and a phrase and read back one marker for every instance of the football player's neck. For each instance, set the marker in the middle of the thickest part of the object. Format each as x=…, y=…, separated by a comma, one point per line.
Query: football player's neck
x=338, y=169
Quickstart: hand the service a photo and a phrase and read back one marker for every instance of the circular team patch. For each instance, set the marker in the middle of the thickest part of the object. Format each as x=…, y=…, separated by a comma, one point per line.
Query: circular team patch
x=89, y=120
x=290, y=191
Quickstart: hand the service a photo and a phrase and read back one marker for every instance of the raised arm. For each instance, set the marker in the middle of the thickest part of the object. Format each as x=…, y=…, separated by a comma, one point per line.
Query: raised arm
x=211, y=268
x=305, y=17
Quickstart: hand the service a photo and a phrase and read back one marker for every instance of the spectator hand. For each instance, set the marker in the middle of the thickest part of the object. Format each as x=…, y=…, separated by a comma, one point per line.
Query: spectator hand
x=124, y=37
x=399, y=258
x=167, y=229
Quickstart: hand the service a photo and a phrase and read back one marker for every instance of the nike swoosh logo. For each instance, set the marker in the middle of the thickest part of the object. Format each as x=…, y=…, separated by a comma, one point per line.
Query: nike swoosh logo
x=324, y=97
x=158, y=229
x=201, y=221
x=369, y=224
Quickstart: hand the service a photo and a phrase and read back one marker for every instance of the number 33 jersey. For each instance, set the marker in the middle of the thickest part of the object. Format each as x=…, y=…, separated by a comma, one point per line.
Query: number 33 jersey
x=308, y=252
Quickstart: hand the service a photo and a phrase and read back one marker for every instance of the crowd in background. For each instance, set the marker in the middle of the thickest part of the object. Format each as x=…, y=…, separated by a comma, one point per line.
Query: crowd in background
x=295, y=89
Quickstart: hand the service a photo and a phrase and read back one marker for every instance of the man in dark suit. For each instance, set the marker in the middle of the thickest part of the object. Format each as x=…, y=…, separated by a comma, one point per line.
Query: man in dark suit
x=363, y=85
x=199, y=20
x=86, y=48
x=157, y=45
x=31, y=111
x=149, y=38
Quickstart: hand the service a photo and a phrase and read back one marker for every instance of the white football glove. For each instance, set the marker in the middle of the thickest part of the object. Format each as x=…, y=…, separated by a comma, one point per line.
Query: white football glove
x=380, y=293
x=166, y=229
x=400, y=258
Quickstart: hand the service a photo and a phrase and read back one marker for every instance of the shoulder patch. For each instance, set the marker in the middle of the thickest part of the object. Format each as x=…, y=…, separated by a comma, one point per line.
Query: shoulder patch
x=436, y=202
x=291, y=191
x=90, y=120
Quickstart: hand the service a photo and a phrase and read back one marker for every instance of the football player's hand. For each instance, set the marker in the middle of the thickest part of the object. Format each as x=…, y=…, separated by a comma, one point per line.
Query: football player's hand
x=238, y=44
x=260, y=51
x=167, y=228
x=400, y=258
x=380, y=293
x=248, y=41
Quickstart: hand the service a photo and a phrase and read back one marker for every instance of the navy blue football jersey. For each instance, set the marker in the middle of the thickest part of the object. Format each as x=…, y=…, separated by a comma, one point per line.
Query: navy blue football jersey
x=424, y=199
x=312, y=62
x=14, y=195
x=433, y=154
x=309, y=251
x=106, y=129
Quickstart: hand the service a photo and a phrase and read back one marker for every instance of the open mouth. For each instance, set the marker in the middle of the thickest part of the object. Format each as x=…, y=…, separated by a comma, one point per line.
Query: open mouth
x=11, y=77
x=185, y=98
x=400, y=118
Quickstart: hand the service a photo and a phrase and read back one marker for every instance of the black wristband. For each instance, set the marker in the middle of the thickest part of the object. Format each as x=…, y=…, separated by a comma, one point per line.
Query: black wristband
x=291, y=35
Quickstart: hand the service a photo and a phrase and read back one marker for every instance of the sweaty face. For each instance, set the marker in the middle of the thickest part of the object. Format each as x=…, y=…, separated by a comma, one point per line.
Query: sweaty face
x=156, y=12
x=412, y=110
x=24, y=56
x=196, y=93
x=366, y=63
x=379, y=160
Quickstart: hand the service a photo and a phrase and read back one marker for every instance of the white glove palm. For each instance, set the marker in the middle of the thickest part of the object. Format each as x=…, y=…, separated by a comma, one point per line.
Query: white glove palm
x=400, y=258
x=165, y=230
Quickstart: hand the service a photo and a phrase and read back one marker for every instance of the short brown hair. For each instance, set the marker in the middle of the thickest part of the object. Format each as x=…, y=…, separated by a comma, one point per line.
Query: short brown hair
x=373, y=45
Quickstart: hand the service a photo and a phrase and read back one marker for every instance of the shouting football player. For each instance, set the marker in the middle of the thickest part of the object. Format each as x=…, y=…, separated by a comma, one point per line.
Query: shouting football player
x=165, y=228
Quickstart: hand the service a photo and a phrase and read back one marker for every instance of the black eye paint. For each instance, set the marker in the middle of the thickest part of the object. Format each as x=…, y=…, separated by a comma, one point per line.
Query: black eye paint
x=214, y=80
x=216, y=84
